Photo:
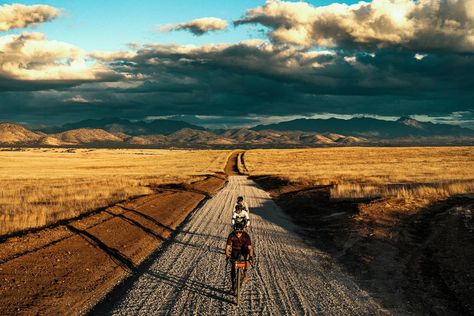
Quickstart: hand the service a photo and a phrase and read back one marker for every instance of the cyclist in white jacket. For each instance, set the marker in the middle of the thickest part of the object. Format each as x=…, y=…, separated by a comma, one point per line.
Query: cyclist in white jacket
x=241, y=213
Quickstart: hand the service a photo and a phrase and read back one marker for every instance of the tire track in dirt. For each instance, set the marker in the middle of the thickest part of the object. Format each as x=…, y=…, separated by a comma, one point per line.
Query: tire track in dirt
x=188, y=275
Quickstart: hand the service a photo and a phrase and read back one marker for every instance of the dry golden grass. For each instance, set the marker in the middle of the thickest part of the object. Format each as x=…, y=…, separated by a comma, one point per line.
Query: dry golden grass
x=42, y=186
x=430, y=172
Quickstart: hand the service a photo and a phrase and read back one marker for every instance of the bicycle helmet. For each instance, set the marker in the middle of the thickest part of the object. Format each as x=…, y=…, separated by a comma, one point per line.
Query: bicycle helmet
x=239, y=226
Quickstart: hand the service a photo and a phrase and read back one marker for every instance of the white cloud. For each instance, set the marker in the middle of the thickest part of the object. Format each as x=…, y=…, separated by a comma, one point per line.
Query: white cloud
x=159, y=117
x=422, y=25
x=197, y=26
x=350, y=59
x=81, y=99
x=20, y=16
x=420, y=56
x=31, y=56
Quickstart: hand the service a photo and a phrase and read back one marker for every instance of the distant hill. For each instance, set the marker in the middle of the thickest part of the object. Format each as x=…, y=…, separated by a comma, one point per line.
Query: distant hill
x=85, y=136
x=270, y=138
x=370, y=127
x=147, y=140
x=190, y=136
x=11, y=133
x=135, y=128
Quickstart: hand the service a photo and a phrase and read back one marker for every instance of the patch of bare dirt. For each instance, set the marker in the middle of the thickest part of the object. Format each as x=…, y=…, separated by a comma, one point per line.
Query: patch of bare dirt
x=68, y=268
x=413, y=257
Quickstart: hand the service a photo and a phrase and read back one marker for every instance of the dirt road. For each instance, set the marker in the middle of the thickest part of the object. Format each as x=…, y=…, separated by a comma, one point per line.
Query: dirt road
x=188, y=275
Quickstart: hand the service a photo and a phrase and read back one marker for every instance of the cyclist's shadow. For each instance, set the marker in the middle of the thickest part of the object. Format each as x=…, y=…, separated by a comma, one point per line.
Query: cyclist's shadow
x=187, y=284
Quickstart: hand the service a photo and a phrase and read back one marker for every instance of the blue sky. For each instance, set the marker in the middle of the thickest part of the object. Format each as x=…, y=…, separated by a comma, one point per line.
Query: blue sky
x=111, y=24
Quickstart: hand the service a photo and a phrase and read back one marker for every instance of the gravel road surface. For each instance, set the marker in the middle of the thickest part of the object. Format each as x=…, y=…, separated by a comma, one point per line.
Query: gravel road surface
x=188, y=275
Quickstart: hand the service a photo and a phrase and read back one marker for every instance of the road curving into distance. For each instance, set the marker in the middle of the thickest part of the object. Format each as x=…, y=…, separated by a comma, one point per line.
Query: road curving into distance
x=187, y=276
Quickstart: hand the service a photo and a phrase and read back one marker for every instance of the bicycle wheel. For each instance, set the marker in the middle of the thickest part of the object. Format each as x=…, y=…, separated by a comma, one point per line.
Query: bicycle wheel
x=237, y=286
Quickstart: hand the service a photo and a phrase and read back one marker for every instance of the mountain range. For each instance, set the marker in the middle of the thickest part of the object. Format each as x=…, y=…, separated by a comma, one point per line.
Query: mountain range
x=133, y=128
x=116, y=132
x=371, y=128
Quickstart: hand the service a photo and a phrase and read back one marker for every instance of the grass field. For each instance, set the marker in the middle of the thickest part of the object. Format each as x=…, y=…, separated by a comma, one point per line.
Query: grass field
x=360, y=172
x=42, y=186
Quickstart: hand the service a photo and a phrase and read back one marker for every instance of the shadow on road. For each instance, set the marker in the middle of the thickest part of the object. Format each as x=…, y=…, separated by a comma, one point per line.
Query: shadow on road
x=187, y=284
x=201, y=246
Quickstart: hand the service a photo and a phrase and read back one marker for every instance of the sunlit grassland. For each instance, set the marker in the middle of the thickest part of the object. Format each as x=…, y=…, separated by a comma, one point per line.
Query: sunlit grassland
x=42, y=186
x=363, y=172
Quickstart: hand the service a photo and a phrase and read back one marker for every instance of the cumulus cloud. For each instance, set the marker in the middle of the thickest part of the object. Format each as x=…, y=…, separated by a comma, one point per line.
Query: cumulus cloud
x=32, y=58
x=425, y=25
x=20, y=16
x=197, y=27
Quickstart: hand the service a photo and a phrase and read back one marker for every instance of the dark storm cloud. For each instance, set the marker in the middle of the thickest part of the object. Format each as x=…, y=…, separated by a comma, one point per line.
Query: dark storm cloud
x=9, y=84
x=257, y=77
